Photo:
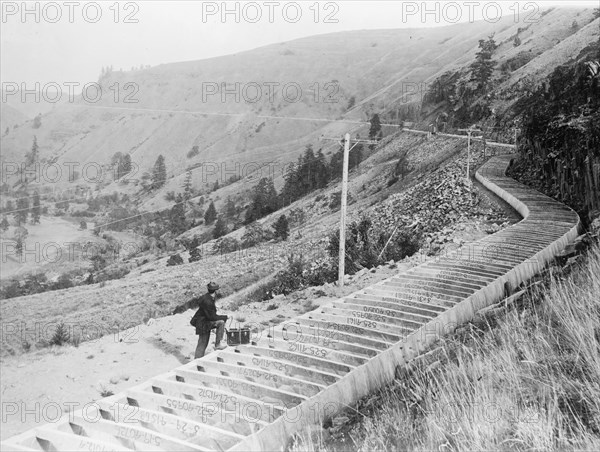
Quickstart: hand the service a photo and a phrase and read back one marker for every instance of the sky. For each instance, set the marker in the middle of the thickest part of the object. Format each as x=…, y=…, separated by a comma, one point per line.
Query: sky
x=69, y=42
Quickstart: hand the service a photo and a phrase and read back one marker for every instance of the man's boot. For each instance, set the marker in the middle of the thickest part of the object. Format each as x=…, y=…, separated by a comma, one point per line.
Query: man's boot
x=220, y=346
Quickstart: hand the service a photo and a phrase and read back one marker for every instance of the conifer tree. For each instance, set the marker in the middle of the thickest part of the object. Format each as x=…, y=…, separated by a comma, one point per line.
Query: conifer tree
x=483, y=67
x=19, y=247
x=211, y=214
x=177, y=222
x=288, y=192
x=230, y=210
x=375, y=129
x=264, y=200
x=4, y=224
x=281, y=228
x=125, y=165
x=159, y=173
x=187, y=186
x=33, y=155
x=36, y=211
x=220, y=228
x=22, y=210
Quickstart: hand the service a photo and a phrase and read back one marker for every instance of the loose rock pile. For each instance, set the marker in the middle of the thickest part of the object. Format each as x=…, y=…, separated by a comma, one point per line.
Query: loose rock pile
x=439, y=202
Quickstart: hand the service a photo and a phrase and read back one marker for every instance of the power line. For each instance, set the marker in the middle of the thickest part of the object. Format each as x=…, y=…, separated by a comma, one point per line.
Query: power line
x=331, y=121
x=226, y=114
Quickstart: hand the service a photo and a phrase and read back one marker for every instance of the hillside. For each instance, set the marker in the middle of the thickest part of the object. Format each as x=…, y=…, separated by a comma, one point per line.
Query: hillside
x=375, y=67
x=9, y=118
x=392, y=57
x=122, y=331
x=411, y=200
x=450, y=216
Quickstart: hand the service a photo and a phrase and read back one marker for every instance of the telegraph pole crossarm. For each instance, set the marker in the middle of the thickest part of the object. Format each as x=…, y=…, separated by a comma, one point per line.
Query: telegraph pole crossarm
x=342, y=251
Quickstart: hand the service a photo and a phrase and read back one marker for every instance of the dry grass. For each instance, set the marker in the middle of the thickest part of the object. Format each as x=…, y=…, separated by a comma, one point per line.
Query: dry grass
x=92, y=311
x=530, y=383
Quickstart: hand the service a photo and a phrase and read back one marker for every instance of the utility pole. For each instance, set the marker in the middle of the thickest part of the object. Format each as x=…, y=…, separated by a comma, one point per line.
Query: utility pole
x=469, y=131
x=517, y=130
x=342, y=249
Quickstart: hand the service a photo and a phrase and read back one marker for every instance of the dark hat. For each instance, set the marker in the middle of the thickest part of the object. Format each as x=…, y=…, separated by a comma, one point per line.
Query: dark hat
x=211, y=286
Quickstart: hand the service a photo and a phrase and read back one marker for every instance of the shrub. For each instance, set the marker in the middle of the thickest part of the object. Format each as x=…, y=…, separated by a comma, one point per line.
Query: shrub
x=195, y=255
x=254, y=235
x=64, y=282
x=405, y=242
x=360, y=250
x=297, y=216
x=519, y=60
x=291, y=278
x=220, y=228
x=335, y=200
x=517, y=41
x=351, y=102
x=174, y=259
x=364, y=244
x=299, y=274
x=35, y=283
x=105, y=392
x=114, y=272
x=98, y=262
x=11, y=289
x=193, y=152
x=61, y=335
x=227, y=245
x=271, y=307
x=192, y=247
x=321, y=271
x=281, y=228
x=402, y=167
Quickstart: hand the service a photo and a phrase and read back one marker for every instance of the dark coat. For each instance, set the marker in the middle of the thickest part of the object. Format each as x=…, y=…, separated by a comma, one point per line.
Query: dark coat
x=206, y=313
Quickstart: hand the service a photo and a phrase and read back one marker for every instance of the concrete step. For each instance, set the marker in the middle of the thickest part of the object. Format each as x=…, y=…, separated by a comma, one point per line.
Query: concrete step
x=319, y=377
x=294, y=357
x=208, y=437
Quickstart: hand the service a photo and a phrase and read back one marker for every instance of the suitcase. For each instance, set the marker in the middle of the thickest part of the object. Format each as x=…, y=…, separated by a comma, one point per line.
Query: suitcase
x=237, y=336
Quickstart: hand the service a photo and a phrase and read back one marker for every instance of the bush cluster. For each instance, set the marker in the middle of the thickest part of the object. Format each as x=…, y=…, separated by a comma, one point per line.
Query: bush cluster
x=174, y=259
x=299, y=274
x=227, y=245
x=35, y=283
x=366, y=246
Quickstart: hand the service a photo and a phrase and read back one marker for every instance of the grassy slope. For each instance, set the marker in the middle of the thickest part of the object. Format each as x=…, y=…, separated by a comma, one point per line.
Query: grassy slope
x=363, y=62
x=531, y=380
x=153, y=290
x=10, y=117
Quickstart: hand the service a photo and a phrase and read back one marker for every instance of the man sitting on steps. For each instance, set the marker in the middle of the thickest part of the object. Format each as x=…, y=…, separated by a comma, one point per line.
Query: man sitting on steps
x=206, y=319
